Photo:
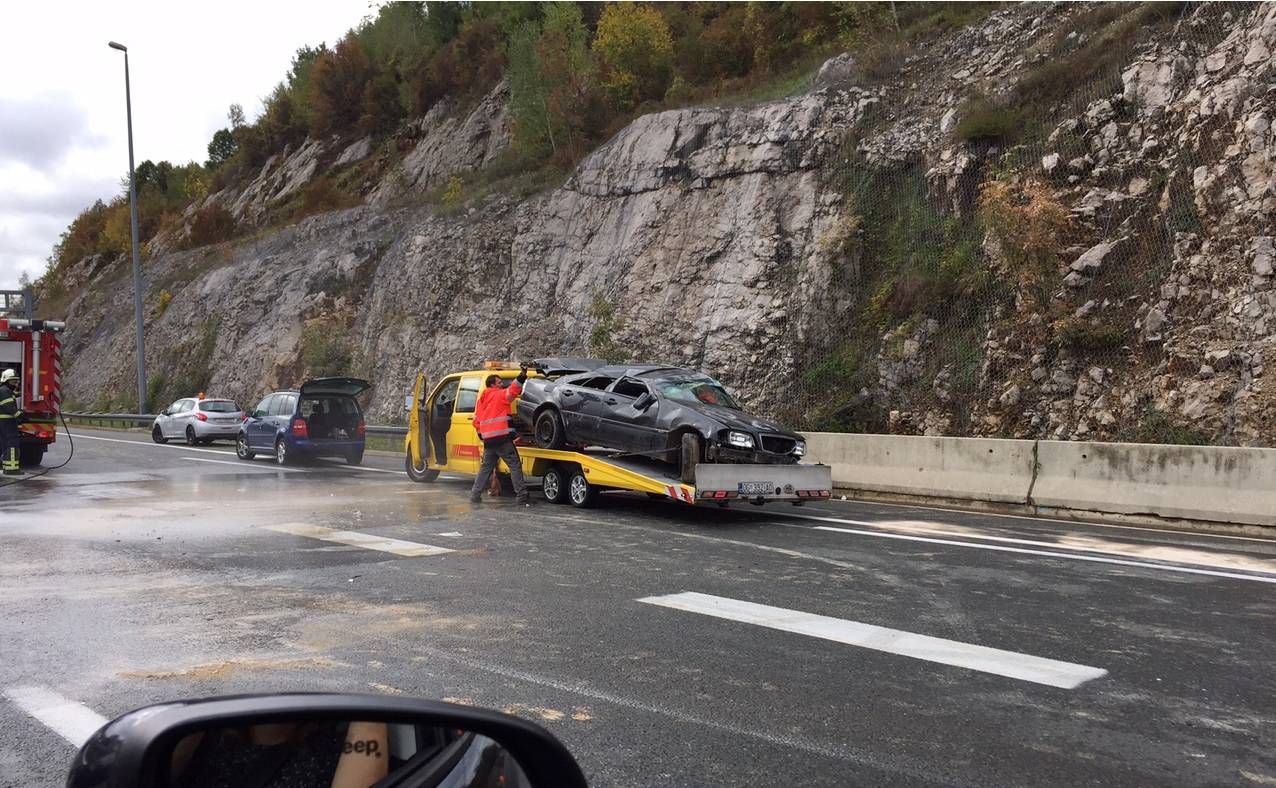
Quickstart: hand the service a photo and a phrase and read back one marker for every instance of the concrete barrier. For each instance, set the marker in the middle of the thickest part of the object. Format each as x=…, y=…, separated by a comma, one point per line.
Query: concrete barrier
x=977, y=469
x=1221, y=484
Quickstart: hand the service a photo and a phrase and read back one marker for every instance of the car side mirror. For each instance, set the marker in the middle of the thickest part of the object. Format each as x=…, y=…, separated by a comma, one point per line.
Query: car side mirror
x=363, y=739
x=164, y=412
x=644, y=401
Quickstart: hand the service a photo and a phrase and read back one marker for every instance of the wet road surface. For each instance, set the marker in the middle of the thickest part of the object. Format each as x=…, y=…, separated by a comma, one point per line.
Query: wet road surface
x=850, y=643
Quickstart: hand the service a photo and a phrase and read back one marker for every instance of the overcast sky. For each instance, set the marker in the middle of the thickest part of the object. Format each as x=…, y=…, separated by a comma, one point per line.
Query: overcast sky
x=63, y=138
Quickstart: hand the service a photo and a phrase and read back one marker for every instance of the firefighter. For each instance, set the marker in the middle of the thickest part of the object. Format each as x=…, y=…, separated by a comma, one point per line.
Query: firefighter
x=10, y=417
x=492, y=421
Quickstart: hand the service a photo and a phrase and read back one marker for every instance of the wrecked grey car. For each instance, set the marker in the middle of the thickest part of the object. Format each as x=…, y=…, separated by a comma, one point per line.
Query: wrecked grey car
x=678, y=415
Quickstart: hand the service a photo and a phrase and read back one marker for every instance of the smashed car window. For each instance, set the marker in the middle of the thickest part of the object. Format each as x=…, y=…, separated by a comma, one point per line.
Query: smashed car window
x=629, y=388
x=600, y=382
x=706, y=391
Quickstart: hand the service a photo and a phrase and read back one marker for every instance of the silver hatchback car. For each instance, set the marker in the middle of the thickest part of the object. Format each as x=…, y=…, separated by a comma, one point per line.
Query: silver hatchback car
x=198, y=421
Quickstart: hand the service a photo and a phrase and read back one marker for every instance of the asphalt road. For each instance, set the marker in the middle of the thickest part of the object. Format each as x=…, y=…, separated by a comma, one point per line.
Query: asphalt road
x=141, y=573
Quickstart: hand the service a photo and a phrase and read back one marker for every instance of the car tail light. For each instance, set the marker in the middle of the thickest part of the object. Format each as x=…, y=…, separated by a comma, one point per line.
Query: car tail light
x=243, y=417
x=361, y=429
x=201, y=417
x=299, y=428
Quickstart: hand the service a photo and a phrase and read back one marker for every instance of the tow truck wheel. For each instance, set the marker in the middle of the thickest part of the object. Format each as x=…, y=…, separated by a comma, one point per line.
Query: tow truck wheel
x=554, y=485
x=241, y=448
x=157, y=435
x=549, y=430
x=579, y=491
x=191, y=440
x=418, y=473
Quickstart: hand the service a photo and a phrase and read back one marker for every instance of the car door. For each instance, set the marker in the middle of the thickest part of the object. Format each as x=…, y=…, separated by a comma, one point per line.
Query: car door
x=624, y=426
x=582, y=408
x=259, y=422
x=167, y=418
x=182, y=417
x=281, y=413
x=441, y=407
x=464, y=448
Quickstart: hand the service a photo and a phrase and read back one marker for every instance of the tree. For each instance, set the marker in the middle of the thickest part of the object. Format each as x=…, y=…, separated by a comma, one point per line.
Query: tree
x=551, y=82
x=337, y=83
x=635, y=52
x=221, y=148
x=236, y=115
x=382, y=106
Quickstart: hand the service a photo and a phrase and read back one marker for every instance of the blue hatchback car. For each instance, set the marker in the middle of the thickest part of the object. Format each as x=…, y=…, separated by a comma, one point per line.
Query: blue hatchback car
x=320, y=419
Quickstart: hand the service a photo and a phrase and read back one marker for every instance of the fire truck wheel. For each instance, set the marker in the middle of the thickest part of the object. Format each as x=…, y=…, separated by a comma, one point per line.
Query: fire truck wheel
x=158, y=436
x=30, y=454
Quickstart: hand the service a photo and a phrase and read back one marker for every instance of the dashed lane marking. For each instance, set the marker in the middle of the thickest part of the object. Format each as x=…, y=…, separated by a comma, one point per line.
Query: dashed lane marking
x=1011, y=664
x=356, y=539
x=73, y=721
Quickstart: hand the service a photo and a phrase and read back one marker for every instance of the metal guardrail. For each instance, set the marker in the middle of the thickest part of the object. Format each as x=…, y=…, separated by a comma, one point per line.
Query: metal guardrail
x=144, y=419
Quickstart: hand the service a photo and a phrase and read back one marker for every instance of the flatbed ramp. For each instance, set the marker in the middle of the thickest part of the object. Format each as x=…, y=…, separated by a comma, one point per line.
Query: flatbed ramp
x=576, y=477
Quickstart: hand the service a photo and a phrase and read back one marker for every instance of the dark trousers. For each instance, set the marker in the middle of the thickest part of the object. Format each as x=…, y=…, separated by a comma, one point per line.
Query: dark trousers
x=493, y=453
x=9, y=439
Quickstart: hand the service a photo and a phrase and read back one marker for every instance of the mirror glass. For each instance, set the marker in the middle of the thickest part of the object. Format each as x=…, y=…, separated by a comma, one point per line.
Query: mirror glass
x=407, y=403
x=327, y=753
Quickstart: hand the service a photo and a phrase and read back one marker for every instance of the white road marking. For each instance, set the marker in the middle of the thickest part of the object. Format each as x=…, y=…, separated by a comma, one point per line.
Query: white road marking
x=73, y=721
x=356, y=539
x=246, y=465
x=374, y=470
x=223, y=453
x=1048, y=553
x=1011, y=664
x=1170, y=554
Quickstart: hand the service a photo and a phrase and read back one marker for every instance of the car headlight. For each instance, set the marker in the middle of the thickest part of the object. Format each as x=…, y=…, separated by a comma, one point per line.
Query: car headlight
x=799, y=449
x=742, y=440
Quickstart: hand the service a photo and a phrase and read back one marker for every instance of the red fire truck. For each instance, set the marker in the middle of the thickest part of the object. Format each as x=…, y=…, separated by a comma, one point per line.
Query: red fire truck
x=31, y=348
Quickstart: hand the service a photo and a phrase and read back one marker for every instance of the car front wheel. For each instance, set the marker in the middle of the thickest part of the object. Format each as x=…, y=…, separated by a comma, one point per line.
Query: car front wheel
x=689, y=457
x=418, y=473
x=241, y=448
x=157, y=435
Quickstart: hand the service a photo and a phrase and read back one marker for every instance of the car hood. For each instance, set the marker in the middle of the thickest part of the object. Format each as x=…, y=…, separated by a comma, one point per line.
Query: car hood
x=737, y=419
x=350, y=387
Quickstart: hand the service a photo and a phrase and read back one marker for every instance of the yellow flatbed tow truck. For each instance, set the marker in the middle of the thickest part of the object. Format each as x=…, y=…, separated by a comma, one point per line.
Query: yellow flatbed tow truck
x=441, y=438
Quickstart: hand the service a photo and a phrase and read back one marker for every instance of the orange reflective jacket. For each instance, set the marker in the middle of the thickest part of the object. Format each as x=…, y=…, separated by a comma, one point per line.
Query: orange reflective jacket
x=492, y=414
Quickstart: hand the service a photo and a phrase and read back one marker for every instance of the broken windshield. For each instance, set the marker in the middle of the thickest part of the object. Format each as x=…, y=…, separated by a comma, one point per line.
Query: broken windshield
x=706, y=391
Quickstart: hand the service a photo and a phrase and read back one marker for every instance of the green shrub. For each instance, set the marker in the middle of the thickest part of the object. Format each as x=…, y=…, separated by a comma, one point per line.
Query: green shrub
x=982, y=120
x=602, y=337
x=210, y=225
x=1156, y=426
x=325, y=353
x=1086, y=337
x=165, y=298
x=321, y=196
x=453, y=193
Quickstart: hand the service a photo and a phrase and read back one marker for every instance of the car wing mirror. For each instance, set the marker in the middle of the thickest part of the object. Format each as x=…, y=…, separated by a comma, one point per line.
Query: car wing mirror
x=354, y=741
x=644, y=401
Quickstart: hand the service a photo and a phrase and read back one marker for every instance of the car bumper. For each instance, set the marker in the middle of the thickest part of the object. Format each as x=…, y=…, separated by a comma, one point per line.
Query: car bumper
x=325, y=448
x=721, y=453
x=206, y=429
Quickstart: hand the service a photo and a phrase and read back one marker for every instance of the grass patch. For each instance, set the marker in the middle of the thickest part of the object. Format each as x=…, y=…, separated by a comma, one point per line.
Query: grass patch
x=1156, y=426
x=981, y=119
x=324, y=352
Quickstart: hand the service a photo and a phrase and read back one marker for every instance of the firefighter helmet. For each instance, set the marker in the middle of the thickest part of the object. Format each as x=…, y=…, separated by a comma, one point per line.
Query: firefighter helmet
x=8, y=375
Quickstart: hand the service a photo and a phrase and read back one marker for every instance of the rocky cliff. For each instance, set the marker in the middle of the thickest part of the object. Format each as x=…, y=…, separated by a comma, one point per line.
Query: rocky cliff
x=736, y=240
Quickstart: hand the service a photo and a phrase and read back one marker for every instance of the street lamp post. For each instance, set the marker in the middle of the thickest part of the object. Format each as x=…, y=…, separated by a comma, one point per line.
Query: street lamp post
x=137, y=263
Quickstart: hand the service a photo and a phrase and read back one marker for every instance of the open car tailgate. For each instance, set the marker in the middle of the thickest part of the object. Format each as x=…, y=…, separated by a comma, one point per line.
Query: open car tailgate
x=349, y=387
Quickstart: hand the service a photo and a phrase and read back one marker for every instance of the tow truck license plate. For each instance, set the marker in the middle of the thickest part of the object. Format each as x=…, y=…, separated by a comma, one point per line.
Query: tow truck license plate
x=756, y=488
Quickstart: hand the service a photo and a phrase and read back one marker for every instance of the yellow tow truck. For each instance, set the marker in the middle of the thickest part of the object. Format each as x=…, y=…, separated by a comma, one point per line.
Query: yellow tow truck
x=441, y=438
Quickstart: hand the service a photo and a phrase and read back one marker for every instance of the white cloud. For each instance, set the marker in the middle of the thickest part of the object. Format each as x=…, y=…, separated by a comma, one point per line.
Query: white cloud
x=63, y=139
